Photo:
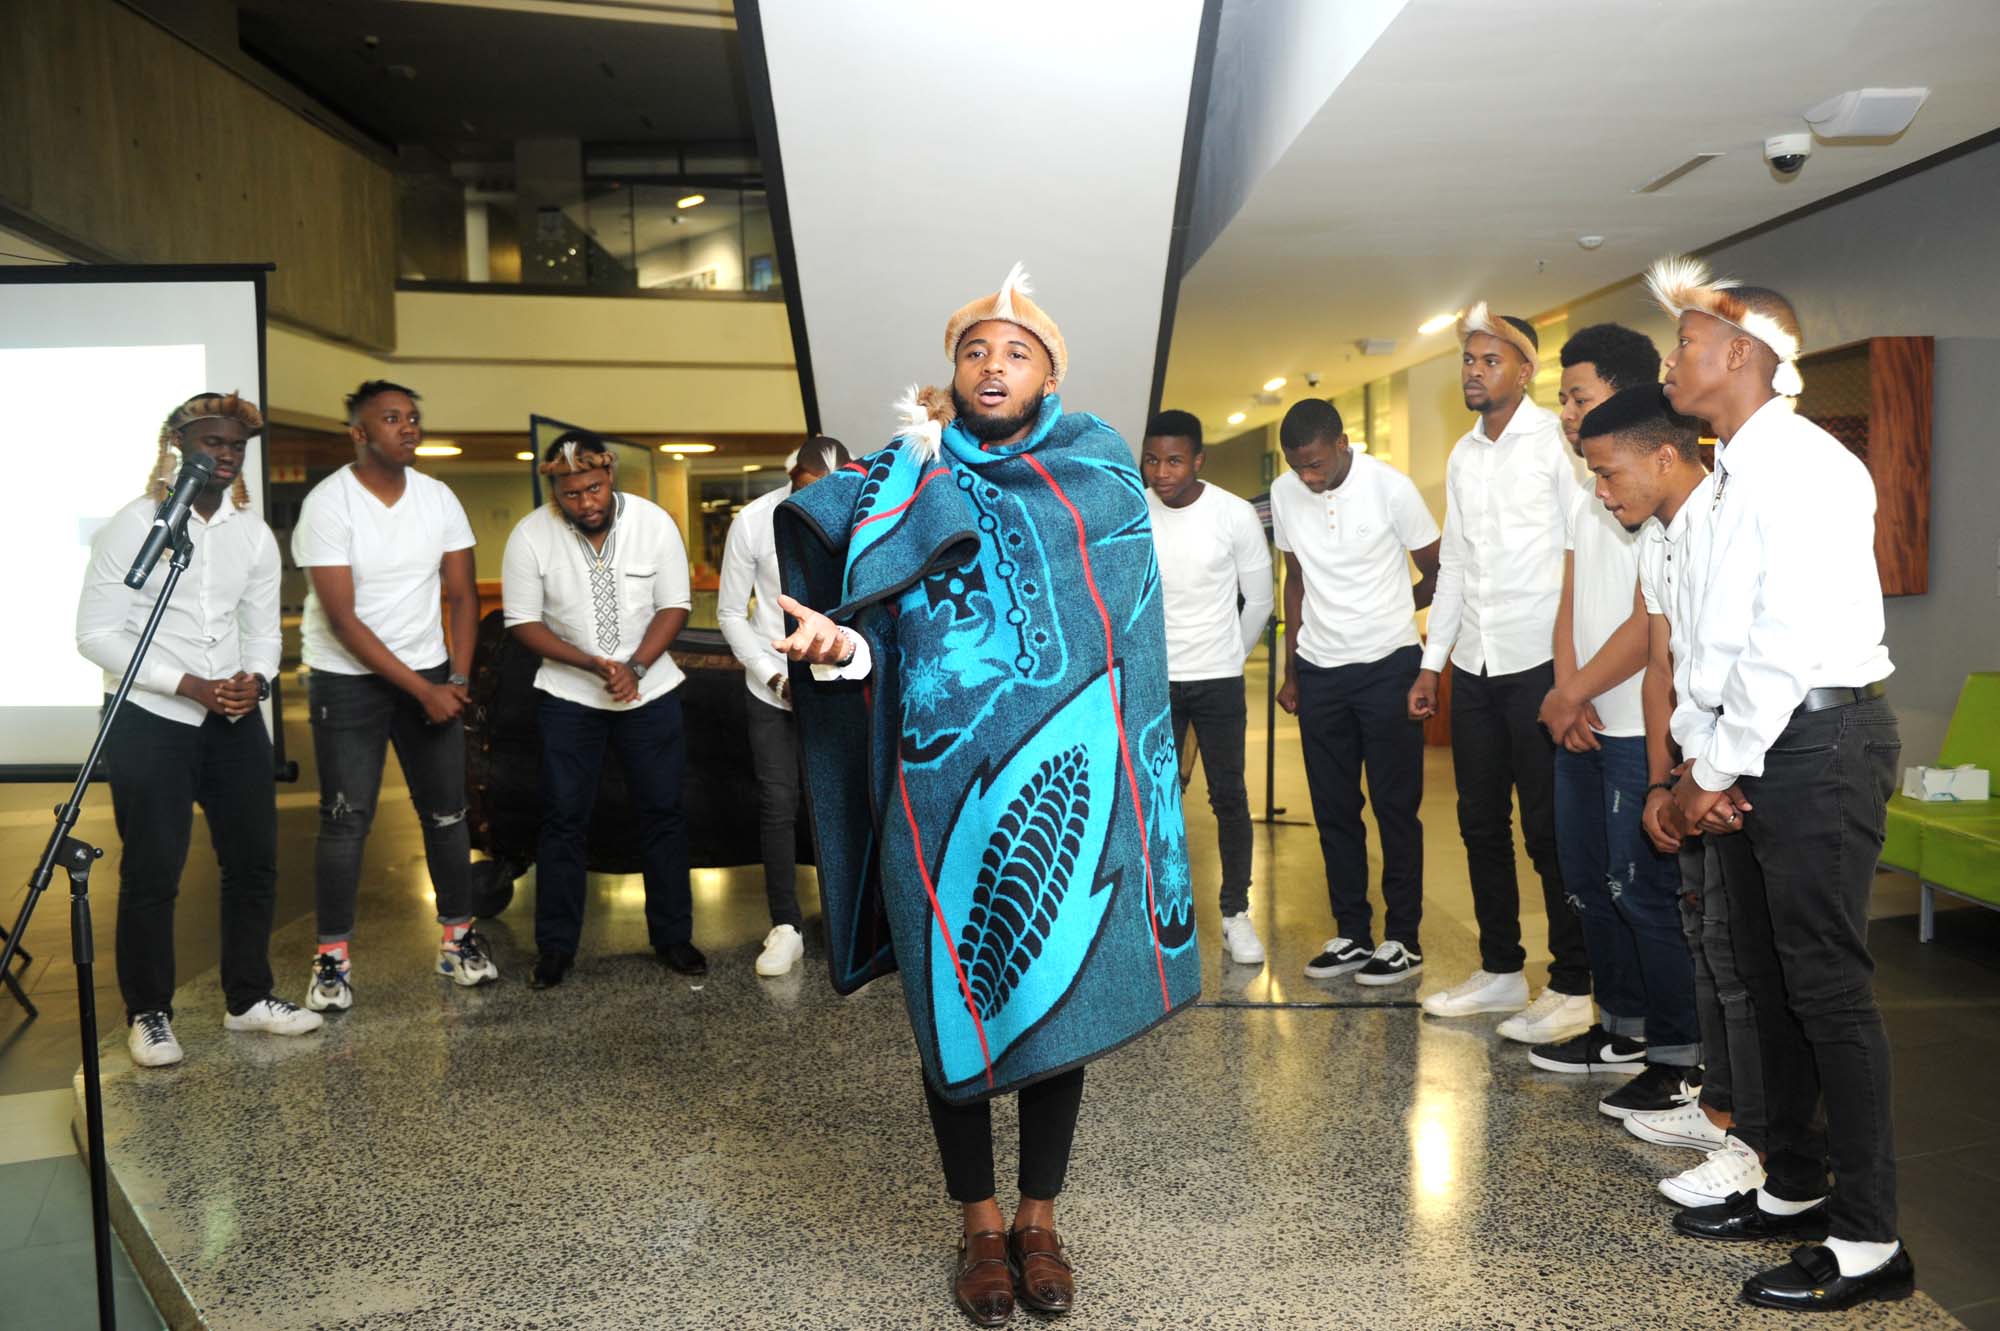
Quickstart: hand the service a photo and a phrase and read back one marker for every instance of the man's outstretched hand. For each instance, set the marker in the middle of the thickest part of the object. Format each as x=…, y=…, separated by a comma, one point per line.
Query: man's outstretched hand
x=816, y=641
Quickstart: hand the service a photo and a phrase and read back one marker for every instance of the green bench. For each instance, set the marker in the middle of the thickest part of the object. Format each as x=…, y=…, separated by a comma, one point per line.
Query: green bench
x=1954, y=848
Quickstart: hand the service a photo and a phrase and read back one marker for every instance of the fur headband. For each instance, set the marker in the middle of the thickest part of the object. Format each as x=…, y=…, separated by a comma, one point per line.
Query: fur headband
x=1681, y=284
x=202, y=407
x=577, y=457
x=1479, y=320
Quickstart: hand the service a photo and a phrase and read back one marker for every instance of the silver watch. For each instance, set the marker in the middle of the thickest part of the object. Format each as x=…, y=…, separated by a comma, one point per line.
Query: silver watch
x=638, y=671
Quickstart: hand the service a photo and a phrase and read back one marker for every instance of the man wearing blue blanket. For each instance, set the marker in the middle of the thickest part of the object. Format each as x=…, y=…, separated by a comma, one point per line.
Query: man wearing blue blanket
x=991, y=762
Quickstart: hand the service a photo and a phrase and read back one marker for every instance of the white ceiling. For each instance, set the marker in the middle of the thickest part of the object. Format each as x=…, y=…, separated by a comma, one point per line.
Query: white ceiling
x=1474, y=142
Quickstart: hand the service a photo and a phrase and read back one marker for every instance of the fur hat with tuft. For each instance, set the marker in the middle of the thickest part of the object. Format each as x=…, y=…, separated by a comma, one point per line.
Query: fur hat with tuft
x=1011, y=303
x=1680, y=284
x=1516, y=333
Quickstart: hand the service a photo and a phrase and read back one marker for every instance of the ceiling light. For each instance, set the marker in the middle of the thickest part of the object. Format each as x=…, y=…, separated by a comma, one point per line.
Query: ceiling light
x=440, y=449
x=1237, y=418
x=1358, y=445
x=753, y=466
x=524, y=456
x=683, y=449
x=691, y=201
x=1274, y=383
x=1437, y=323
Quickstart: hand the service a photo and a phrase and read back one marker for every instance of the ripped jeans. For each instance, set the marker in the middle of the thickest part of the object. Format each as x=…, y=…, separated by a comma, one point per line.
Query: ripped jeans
x=354, y=718
x=1627, y=897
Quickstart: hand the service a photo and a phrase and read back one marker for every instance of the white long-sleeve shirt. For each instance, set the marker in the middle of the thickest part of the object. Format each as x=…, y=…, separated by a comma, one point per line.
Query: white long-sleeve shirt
x=1500, y=563
x=223, y=617
x=1211, y=551
x=750, y=569
x=1788, y=598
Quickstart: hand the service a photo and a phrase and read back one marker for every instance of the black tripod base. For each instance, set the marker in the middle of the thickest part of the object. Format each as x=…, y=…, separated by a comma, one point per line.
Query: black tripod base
x=12, y=979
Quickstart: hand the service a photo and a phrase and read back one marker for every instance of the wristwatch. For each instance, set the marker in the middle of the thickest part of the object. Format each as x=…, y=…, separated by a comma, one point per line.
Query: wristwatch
x=638, y=671
x=457, y=680
x=263, y=689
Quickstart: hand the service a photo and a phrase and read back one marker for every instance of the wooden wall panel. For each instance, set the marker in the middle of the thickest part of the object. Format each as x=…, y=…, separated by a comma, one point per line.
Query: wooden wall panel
x=119, y=136
x=1899, y=458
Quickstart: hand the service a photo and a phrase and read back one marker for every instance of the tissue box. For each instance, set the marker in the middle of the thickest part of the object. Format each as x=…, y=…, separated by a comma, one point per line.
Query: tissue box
x=1946, y=783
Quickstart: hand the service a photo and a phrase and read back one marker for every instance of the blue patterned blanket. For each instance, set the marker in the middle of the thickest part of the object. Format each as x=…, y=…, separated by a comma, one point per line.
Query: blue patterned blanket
x=996, y=807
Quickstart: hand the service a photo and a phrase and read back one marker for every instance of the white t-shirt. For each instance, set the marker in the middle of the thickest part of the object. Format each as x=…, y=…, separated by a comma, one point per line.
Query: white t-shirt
x=395, y=552
x=1605, y=569
x=1209, y=551
x=1353, y=545
x=546, y=578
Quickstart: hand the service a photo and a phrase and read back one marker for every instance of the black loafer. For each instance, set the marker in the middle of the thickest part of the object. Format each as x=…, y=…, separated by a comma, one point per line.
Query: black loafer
x=550, y=968
x=1811, y=1282
x=1740, y=1219
x=683, y=959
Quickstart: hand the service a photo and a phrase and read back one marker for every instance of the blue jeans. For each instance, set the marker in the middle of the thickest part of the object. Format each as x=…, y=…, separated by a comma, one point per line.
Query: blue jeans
x=652, y=748
x=1627, y=896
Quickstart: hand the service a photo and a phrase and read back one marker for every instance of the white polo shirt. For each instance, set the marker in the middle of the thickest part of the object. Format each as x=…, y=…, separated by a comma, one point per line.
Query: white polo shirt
x=598, y=601
x=1211, y=551
x=750, y=570
x=223, y=618
x=1605, y=568
x=1352, y=543
x=395, y=552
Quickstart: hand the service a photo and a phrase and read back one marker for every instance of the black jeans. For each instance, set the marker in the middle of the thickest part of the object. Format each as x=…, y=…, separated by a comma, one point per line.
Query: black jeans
x=1499, y=749
x=354, y=719
x=1798, y=877
x=652, y=749
x=159, y=770
x=1215, y=710
x=1048, y=1126
x=1733, y=1076
x=774, y=757
x=1357, y=716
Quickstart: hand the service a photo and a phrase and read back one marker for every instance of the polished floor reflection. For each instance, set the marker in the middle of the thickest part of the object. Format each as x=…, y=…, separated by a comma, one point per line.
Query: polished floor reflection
x=634, y=1150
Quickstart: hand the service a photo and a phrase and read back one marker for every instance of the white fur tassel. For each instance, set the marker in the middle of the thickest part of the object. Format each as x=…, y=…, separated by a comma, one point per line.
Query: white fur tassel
x=1674, y=279
x=1017, y=280
x=914, y=423
x=1786, y=380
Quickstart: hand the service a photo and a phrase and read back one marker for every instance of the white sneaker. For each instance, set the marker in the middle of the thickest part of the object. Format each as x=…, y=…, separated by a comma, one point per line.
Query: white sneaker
x=331, y=988
x=1551, y=1017
x=1239, y=939
x=466, y=962
x=1683, y=1125
x=151, y=1041
x=782, y=949
x=1482, y=991
x=1732, y=1169
x=274, y=1016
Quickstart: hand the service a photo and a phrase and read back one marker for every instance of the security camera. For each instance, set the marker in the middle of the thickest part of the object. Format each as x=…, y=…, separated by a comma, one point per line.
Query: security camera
x=1788, y=152
x=1312, y=379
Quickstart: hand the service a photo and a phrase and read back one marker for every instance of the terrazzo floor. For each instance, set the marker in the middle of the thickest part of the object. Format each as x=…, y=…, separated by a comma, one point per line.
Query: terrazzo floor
x=633, y=1149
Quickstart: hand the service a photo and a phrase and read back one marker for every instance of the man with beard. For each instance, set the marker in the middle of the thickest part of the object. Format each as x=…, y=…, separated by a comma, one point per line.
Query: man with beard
x=1626, y=892
x=1791, y=755
x=994, y=784
x=192, y=733
x=1509, y=485
x=595, y=582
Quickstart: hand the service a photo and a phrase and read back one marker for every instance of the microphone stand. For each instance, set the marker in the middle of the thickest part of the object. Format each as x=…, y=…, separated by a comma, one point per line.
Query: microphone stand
x=75, y=858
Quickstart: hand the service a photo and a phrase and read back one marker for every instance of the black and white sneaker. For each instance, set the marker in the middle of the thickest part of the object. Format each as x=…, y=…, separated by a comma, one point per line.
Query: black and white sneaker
x=1596, y=1050
x=1657, y=1087
x=1392, y=962
x=1338, y=957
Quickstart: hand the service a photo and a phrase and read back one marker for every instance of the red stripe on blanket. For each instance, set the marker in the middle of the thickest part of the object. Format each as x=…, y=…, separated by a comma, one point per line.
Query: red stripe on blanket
x=892, y=512
x=951, y=949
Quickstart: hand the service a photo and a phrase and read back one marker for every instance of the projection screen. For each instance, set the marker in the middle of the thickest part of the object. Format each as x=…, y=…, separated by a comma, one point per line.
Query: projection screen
x=92, y=358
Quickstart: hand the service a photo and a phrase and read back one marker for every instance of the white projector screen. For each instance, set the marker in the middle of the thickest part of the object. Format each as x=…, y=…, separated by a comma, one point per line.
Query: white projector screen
x=95, y=358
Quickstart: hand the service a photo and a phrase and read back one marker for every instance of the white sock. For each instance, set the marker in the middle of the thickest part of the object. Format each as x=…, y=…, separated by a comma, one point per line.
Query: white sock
x=1857, y=1258
x=1770, y=1205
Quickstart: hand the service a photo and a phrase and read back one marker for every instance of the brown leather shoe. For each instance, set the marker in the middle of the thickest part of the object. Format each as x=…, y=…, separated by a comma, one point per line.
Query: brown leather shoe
x=983, y=1285
x=1042, y=1274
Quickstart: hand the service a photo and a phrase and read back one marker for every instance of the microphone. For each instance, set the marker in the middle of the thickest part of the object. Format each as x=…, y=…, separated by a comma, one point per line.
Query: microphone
x=196, y=471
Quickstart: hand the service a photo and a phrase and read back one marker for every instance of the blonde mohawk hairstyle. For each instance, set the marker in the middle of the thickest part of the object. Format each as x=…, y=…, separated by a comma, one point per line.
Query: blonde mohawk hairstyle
x=201, y=407
x=1680, y=283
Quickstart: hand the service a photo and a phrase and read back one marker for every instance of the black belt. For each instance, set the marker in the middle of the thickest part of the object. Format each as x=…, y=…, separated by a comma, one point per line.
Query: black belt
x=1819, y=700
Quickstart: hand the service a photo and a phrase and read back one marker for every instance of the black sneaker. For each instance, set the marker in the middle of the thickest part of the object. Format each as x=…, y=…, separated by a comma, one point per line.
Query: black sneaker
x=550, y=968
x=1657, y=1087
x=683, y=959
x=1338, y=957
x=1392, y=961
x=1596, y=1050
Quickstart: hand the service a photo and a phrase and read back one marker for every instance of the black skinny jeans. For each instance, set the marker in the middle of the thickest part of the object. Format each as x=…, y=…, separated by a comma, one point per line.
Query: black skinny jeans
x=1798, y=877
x=1498, y=748
x=1048, y=1126
x=1214, y=709
x=774, y=757
x=159, y=770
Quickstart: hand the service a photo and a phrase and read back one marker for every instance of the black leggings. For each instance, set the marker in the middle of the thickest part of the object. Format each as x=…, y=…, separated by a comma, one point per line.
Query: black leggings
x=1048, y=1125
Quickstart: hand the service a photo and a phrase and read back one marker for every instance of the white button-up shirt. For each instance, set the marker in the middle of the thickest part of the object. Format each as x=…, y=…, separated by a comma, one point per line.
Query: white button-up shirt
x=545, y=577
x=1499, y=583
x=1788, y=598
x=1666, y=554
x=750, y=568
x=223, y=617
